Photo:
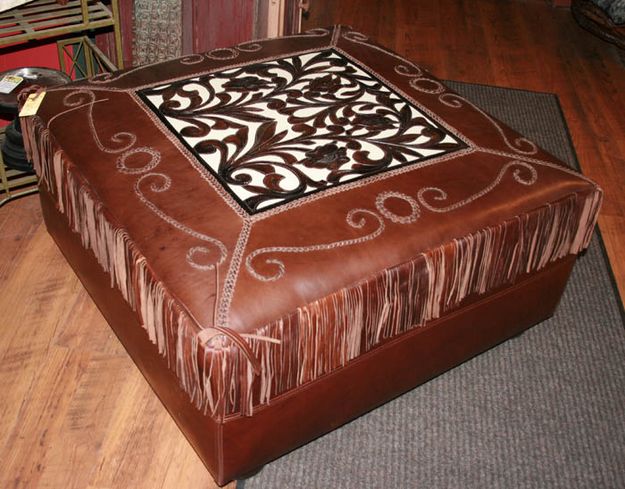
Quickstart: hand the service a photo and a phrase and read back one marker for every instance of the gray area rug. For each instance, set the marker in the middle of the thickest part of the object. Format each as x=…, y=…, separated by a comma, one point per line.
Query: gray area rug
x=543, y=410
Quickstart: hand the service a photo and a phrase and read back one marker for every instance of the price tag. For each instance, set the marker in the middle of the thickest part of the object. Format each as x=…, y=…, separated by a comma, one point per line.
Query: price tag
x=9, y=82
x=32, y=104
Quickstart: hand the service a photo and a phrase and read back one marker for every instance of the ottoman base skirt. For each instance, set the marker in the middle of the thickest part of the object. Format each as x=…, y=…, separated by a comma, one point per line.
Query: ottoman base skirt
x=240, y=444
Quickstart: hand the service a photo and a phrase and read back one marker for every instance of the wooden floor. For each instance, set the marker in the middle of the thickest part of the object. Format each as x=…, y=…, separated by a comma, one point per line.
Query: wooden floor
x=76, y=413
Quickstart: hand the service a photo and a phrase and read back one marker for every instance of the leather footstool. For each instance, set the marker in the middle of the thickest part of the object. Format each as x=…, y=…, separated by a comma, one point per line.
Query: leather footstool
x=287, y=233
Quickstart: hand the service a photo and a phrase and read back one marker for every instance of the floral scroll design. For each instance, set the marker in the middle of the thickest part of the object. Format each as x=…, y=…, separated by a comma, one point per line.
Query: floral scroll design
x=141, y=161
x=419, y=81
x=523, y=173
x=441, y=195
x=275, y=131
x=161, y=182
x=519, y=145
x=221, y=54
x=356, y=218
x=225, y=54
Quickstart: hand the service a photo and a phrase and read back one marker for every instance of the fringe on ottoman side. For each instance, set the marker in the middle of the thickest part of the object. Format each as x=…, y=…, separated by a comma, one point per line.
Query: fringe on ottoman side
x=327, y=334
x=208, y=373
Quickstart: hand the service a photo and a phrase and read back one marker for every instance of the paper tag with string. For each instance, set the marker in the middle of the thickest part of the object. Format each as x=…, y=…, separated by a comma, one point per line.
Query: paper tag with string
x=32, y=104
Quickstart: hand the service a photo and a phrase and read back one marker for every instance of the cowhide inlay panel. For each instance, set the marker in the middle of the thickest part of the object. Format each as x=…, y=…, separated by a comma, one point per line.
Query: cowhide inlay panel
x=276, y=131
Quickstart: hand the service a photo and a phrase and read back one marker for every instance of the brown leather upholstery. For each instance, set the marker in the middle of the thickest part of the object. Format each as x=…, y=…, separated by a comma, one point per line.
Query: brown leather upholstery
x=292, y=223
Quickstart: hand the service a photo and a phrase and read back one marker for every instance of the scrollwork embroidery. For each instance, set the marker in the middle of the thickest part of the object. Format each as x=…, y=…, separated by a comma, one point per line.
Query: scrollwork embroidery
x=456, y=101
x=441, y=195
x=380, y=203
x=419, y=81
x=160, y=183
x=356, y=218
x=126, y=139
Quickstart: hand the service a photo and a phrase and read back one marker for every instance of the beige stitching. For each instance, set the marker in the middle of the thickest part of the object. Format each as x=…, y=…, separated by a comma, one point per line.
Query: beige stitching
x=456, y=101
x=233, y=273
x=281, y=269
x=442, y=195
x=393, y=217
x=118, y=137
x=537, y=161
x=155, y=159
x=164, y=185
x=418, y=79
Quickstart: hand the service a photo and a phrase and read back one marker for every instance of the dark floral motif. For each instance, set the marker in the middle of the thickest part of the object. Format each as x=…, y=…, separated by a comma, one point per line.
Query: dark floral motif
x=326, y=156
x=265, y=129
x=324, y=84
x=374, y=121
x=246, y=84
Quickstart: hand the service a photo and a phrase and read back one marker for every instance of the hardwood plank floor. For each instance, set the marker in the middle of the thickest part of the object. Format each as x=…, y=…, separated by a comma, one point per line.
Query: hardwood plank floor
x=73, y=407
x=75, y=412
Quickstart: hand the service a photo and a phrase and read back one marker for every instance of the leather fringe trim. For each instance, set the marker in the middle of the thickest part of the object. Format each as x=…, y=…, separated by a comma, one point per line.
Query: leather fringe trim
x=207, y=369
x=327, y=334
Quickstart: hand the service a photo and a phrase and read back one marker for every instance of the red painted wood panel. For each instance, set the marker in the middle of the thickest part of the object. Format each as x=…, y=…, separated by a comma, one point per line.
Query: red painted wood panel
x=106, y=41
x=216, y=23
x=39, y=53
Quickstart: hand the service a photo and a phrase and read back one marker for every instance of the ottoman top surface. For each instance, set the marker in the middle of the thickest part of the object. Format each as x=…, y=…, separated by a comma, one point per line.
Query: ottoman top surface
x=259, y=178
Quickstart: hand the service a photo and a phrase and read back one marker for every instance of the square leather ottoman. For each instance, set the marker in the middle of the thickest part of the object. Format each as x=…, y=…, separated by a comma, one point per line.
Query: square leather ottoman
x=287, y=233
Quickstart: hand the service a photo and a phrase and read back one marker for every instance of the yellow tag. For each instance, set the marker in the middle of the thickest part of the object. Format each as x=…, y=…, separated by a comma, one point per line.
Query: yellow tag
x=32, y=104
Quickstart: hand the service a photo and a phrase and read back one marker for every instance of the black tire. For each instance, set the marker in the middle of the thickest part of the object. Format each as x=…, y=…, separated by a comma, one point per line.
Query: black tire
x=14, y=157
x=13, y=135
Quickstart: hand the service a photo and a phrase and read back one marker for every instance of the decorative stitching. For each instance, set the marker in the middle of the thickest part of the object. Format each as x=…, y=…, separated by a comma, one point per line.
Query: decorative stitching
x=155, y=159
x=117, y=138
x=80, y=106
x=107, y=77
x=76, y=100
x=336, y=33
x=281, y=269
x=163, y=186
x=418, y=80
x=393, y=217
x=229, y=53
x=250, y=47
x=456, y=101
x=233, y=272
x=356, y=36
x=537, y=161
x=384, y=211
x=191, y=59
x=442, y=195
